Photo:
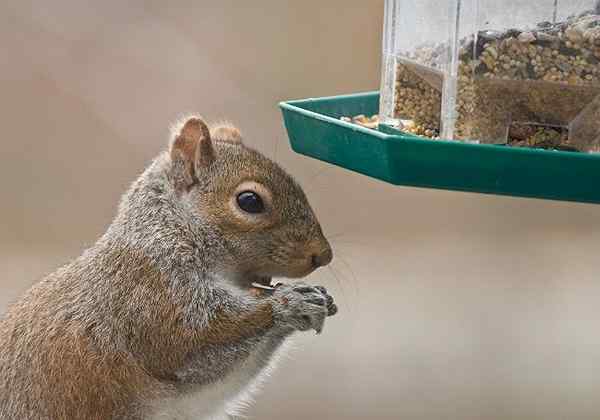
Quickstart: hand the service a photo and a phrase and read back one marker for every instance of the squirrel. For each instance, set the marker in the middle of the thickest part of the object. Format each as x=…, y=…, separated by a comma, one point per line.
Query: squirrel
x=169, y=315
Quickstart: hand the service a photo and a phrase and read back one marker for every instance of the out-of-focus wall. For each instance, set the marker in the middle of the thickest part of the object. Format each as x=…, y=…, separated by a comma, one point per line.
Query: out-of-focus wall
x=452, y=305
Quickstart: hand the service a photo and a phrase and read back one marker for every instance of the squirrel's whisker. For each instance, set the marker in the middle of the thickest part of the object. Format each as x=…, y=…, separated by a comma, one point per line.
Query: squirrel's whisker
x=353, y=280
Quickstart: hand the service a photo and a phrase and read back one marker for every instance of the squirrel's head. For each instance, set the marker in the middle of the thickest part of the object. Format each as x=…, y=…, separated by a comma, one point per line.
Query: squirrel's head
x=258, y=216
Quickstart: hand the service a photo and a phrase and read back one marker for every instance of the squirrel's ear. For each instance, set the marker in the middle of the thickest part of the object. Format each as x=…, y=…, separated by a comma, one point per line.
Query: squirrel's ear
x=191, y=149
x=226, y=132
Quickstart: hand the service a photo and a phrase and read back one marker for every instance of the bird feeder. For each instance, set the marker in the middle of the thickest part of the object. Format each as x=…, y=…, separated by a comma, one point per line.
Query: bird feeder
x=476, y=95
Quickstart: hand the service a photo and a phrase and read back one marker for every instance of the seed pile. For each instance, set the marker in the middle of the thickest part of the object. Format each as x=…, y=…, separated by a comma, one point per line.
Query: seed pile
x=407, y=125
x=521, y=87
x=417, y=100
x=369, y=122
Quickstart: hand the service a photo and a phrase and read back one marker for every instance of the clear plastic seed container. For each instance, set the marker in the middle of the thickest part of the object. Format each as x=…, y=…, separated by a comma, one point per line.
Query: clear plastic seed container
x=521, y=73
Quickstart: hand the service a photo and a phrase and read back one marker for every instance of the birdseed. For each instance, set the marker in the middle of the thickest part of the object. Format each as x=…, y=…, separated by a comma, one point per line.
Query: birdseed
x=517, y=87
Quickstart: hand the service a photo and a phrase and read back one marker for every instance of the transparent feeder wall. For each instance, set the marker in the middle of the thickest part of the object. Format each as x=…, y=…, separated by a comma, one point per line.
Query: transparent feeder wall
x=523, y=73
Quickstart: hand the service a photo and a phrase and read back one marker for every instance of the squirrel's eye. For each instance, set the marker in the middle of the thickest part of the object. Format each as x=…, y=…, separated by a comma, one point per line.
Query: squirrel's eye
x=250, y=202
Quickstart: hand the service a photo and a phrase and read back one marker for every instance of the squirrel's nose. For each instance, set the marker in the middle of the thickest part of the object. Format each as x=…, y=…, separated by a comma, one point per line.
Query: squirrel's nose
x=322, y=258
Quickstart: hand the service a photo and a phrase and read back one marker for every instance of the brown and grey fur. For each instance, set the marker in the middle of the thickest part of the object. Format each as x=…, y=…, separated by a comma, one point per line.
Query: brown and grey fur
x=155, y=319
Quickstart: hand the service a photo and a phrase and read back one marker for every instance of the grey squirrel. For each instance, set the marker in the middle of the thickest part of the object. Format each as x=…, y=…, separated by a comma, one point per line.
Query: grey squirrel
x=160, y=318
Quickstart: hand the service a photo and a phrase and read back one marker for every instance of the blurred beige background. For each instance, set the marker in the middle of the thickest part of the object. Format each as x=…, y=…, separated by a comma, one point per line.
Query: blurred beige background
x=453, y=305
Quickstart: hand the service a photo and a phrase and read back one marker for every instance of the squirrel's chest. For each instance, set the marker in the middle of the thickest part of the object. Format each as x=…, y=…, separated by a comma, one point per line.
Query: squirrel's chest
x=228, y=387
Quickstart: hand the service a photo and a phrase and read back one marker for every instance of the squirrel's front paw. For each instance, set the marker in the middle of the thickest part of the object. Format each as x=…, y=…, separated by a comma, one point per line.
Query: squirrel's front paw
x=302, y=307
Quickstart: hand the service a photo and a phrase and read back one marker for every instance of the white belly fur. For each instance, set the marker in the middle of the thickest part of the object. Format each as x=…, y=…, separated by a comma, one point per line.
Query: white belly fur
x=232, y=395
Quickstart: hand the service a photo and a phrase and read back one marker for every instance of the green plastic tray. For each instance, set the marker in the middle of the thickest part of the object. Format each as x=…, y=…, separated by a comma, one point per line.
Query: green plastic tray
x=315, y=130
